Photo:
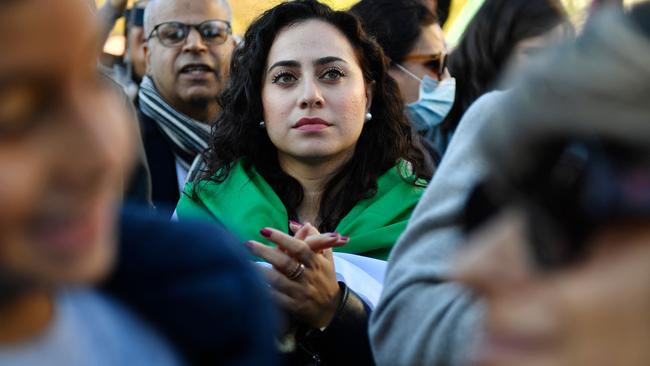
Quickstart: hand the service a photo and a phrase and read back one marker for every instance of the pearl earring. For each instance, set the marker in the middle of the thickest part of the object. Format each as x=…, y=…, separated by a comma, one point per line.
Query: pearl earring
x=262, y=124
x=368, y=116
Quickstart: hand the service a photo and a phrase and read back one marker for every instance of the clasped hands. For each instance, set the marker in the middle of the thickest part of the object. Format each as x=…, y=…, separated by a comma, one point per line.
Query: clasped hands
x=302, y=280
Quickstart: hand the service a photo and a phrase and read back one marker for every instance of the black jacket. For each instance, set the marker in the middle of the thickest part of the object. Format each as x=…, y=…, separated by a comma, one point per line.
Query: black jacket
x=195, y=283
x=162, y=166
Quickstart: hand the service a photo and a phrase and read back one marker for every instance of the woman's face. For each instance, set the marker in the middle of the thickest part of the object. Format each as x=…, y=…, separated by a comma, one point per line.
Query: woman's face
x=314, y=94
x=430, y=42
x=595, y=312
x=64, y=146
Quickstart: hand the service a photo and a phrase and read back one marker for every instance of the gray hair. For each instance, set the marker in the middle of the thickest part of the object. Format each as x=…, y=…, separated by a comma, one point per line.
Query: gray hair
x=148, y=13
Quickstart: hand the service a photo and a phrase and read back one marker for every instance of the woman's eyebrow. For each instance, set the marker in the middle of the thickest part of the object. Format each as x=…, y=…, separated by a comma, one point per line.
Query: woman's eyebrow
x=328, y=60
x=284, y=63
x=318, y=62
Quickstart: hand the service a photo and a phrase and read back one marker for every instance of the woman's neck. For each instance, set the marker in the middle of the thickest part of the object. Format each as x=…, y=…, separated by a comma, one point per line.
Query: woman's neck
x=26, y=316
x=313, y=176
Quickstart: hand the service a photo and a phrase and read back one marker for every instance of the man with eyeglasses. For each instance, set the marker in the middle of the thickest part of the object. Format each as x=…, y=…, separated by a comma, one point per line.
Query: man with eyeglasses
x=188, y=48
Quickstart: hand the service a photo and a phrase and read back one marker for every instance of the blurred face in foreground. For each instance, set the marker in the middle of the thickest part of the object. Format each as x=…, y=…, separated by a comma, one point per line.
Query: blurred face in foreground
x=594, y=312
x=64, y=146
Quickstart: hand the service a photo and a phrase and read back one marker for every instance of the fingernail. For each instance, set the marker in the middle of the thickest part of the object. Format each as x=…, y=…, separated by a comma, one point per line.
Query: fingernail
x=249, y=244
x=295, y=223
x=266, y=233
x=333, y=235
x=345, y=238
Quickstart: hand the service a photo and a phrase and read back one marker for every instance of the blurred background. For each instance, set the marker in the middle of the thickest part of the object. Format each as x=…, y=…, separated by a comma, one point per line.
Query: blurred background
x=244, y=11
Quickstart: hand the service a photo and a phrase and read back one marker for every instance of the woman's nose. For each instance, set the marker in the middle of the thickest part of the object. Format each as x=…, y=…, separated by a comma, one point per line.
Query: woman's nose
x=311, y=95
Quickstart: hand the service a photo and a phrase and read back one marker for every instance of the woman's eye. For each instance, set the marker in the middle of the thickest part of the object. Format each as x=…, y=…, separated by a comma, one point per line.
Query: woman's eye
x=283, y=78
x=333, y=74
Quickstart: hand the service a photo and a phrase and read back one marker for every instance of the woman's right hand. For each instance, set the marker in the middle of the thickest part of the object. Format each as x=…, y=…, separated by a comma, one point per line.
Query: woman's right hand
x=319, y=243
x=303, y=279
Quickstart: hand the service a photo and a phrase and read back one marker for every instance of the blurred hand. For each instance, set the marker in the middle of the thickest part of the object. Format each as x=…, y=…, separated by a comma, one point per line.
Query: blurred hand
x=303, y=279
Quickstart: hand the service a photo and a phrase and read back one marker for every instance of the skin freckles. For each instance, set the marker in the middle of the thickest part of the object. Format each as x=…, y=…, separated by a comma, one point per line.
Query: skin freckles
x=324, y=80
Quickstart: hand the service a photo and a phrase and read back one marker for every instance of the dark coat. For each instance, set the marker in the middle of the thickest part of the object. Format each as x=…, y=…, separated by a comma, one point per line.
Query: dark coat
x=162, y=166
x=194, y=282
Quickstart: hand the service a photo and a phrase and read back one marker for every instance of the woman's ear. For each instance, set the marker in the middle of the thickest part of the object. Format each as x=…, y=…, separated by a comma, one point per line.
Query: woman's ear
x=370, y=90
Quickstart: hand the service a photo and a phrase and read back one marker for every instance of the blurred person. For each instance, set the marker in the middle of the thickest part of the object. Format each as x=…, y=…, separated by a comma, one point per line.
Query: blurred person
x=423, y=253
x=312, y=131
x=108, y=14
x=135, y=40
x=412, y=38
x=139, y=184
x=503, y=34
x=433, y=233
x=188, y=48
x=62, y=170
x=422, y=257
x=132, y=68
x=67, y=145
x=560, y=237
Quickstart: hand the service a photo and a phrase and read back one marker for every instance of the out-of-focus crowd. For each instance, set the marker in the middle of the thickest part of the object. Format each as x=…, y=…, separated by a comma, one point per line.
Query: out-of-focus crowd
x=332, y=188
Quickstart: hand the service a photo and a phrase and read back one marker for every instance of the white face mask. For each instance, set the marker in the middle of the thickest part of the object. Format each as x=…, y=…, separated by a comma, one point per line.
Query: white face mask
x=432, y=107
x=435, y=101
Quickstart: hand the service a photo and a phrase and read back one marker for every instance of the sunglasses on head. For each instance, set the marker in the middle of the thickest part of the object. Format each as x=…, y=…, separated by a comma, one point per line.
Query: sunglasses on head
x=436, y=62
x=568, y=200
x=173, y=34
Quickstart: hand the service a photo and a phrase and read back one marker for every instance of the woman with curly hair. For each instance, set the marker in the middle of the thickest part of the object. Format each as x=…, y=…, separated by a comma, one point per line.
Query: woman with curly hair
x=311, y=131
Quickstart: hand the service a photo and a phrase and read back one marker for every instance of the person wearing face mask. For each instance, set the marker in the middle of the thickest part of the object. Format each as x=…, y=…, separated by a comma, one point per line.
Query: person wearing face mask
x=422, y=253
x=410, y=35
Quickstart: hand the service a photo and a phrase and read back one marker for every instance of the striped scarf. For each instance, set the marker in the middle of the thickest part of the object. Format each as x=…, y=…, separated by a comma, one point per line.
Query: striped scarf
x=187, y=136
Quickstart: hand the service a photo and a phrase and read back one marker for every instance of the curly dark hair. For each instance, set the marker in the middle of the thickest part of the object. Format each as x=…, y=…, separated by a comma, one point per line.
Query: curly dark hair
x=383, y=142
x=483, y=51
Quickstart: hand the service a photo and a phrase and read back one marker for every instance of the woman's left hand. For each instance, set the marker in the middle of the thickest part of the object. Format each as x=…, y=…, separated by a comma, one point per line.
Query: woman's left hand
x=303, y=280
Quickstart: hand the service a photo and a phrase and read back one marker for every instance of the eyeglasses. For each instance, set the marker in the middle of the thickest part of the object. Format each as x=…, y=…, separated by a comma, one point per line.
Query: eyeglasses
x=174, y=34
x=436, y=62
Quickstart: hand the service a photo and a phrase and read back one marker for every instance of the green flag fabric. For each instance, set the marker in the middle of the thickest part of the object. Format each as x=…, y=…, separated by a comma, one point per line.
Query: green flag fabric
x=244, y=203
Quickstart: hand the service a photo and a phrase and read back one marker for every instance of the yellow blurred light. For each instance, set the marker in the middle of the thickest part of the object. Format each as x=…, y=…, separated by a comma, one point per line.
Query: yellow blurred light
x=245, y=11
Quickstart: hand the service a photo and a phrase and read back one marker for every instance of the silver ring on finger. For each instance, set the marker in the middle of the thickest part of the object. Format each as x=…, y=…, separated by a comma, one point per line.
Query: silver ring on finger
x=297, y=271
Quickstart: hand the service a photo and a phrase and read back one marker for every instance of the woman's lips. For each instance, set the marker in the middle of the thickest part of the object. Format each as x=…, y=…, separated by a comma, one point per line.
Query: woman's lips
x=309, y=124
